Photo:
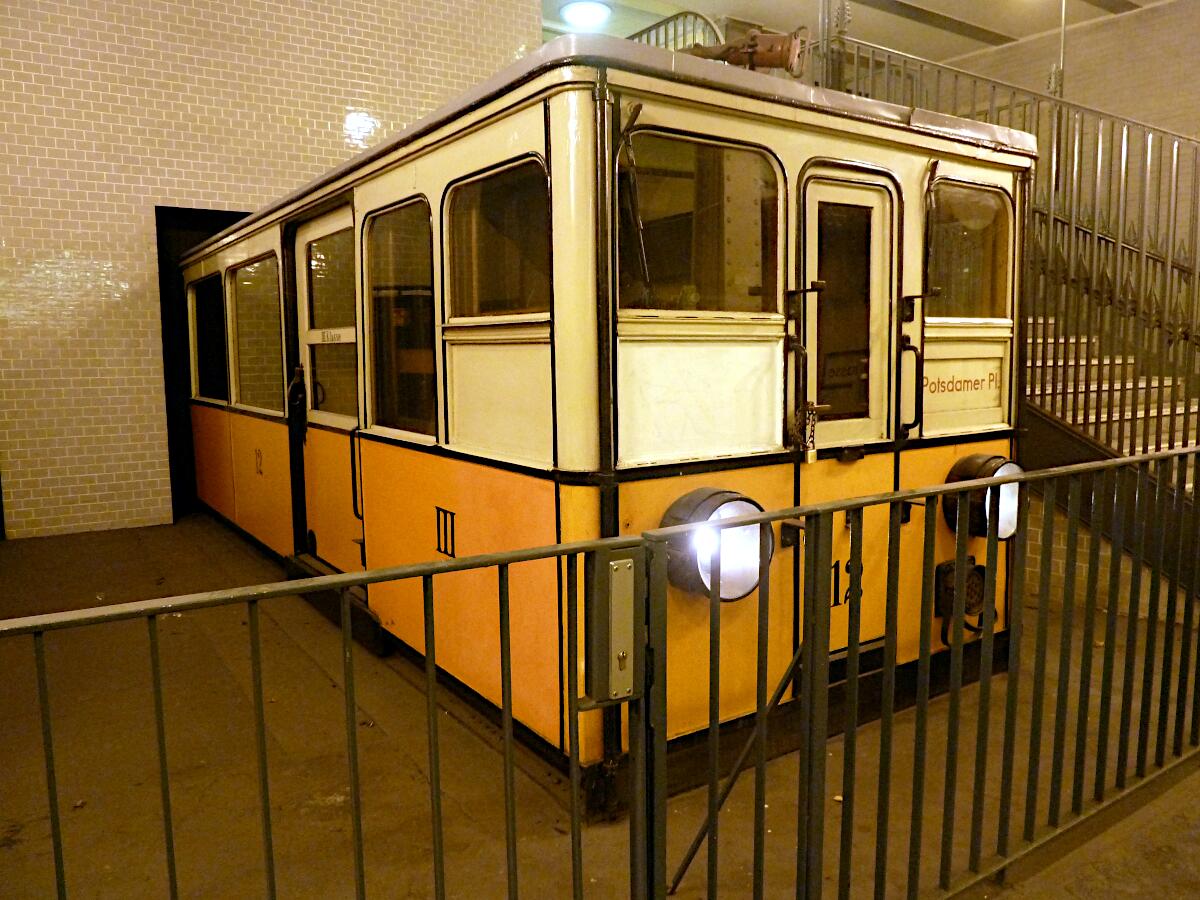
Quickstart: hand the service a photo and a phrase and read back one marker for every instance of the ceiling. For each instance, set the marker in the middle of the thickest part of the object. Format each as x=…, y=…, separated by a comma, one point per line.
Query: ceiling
x=934, y=29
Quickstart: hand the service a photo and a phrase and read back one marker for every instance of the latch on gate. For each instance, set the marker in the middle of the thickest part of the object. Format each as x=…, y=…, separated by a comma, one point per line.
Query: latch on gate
x=614, y=584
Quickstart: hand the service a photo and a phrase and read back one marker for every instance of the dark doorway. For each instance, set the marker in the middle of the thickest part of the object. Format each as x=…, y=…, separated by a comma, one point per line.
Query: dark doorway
x=178, y=230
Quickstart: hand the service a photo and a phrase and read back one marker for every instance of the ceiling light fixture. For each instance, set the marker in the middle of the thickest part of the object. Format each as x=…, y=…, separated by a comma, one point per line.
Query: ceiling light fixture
x=585, y=15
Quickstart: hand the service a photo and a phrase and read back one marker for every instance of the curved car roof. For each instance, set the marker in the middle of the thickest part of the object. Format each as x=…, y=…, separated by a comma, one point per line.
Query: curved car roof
x=617, y=53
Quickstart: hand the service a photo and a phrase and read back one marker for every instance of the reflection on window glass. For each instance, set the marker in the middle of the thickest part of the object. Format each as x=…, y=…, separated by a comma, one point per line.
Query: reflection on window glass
x=500, y=244
x=968, y=252
x=698, y=227
x=335, y=378
x=212, y=355
x=259, y=344
x=331, y=281
x=844, y=310
x=400, y=282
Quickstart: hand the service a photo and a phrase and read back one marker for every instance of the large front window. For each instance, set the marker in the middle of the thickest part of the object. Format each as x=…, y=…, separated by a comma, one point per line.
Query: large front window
x=698, y=225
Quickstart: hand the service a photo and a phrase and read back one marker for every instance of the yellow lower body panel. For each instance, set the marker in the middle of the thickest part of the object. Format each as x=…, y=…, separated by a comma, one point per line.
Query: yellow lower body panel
x=493, y=510
x=642, y=504
x=214, y=459
x=262, y=480
x=329, y=499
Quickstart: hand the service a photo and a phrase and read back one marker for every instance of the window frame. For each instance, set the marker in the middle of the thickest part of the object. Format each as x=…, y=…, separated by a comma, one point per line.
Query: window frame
x=305, y=343
x=193, y=323
x=369, y=327
x=451, y=321
x=235, y=385
x=1010, y=277
x=708, y=316
x=886, y=202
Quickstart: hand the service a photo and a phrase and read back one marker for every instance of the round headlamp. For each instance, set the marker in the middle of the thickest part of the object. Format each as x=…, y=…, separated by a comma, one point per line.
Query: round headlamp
x=690, y=555
x=984, y=465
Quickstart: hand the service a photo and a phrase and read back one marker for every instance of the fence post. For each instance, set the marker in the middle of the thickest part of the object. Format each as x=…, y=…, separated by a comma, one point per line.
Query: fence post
x=655, y=693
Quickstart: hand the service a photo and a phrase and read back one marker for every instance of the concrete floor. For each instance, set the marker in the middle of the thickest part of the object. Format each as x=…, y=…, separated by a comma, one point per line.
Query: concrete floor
x=109, y=790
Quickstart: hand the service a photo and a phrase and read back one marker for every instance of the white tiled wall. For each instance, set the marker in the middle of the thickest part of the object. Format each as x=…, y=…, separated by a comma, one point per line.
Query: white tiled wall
x=110, y=107
x=1137, y=65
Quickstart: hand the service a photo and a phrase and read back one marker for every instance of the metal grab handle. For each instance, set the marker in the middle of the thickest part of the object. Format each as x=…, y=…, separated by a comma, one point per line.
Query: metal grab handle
x=354, y=473
x=907, y=346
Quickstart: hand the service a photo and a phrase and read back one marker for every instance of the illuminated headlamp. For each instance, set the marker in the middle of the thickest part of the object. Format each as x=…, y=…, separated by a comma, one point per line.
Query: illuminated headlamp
x=689, y=560
x=984, y=465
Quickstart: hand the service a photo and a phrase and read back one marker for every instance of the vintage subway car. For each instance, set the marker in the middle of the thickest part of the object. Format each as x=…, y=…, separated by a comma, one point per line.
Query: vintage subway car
x=580, y=297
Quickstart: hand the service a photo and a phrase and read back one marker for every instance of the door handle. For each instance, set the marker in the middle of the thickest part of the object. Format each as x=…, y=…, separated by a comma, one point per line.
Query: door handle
x=354, y=473
x=907, y=346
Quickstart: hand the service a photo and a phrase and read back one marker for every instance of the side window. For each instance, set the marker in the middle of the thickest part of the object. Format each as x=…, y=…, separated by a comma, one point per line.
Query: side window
x=400, y=285
x=500, y=243
x=212, y=349
x=259, y=344
x=698, y=227
x=968, y=252
x=331, y=309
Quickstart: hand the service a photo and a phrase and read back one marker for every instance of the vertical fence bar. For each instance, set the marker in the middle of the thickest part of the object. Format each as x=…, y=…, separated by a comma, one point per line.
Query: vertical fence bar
x=510, y=787
x=1131, y=620
x=987, y=625
x=1140, y=322
x=1177, y=530
x=1049, y=325
x=1100, y=481
x=164, y=775
x=1039, y=661
x=1120, y=496
x=1189, y=609
x=1074, y=490
x=260, y=732
x=1072, y=291
x=1016, y=619
x=1156, y=541
x=887, y=699
x=656, y=756
x=714, y=712
x=765, y=544
x=573, y=739
x=1096, y=299
x=360, y=879
x=958, y=617
x=1188, y=362
x=819, y=528
x=808, y=744
x=1115, y=409
x=435, y=755
x=854, y=518
x=39, y=655
x=920, y=736
x=1165, y=319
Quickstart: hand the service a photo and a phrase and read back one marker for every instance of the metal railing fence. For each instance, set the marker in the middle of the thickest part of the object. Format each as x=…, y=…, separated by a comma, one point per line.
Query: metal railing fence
x=1112, y=243
x=568, y=556
x=1085, y=692
x=680, y=31
x=1069, y=681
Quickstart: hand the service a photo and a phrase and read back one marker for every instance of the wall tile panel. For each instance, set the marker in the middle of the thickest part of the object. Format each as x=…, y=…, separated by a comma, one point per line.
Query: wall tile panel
x=112, y=108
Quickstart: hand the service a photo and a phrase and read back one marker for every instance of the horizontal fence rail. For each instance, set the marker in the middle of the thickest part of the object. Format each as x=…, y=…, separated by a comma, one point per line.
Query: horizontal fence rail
x=932, y=699
x=1064, y=678
x=1112, y=245
x=567, y=557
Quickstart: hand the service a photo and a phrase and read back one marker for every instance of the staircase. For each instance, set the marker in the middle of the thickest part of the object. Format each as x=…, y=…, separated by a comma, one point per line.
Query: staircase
x=1111, y=247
